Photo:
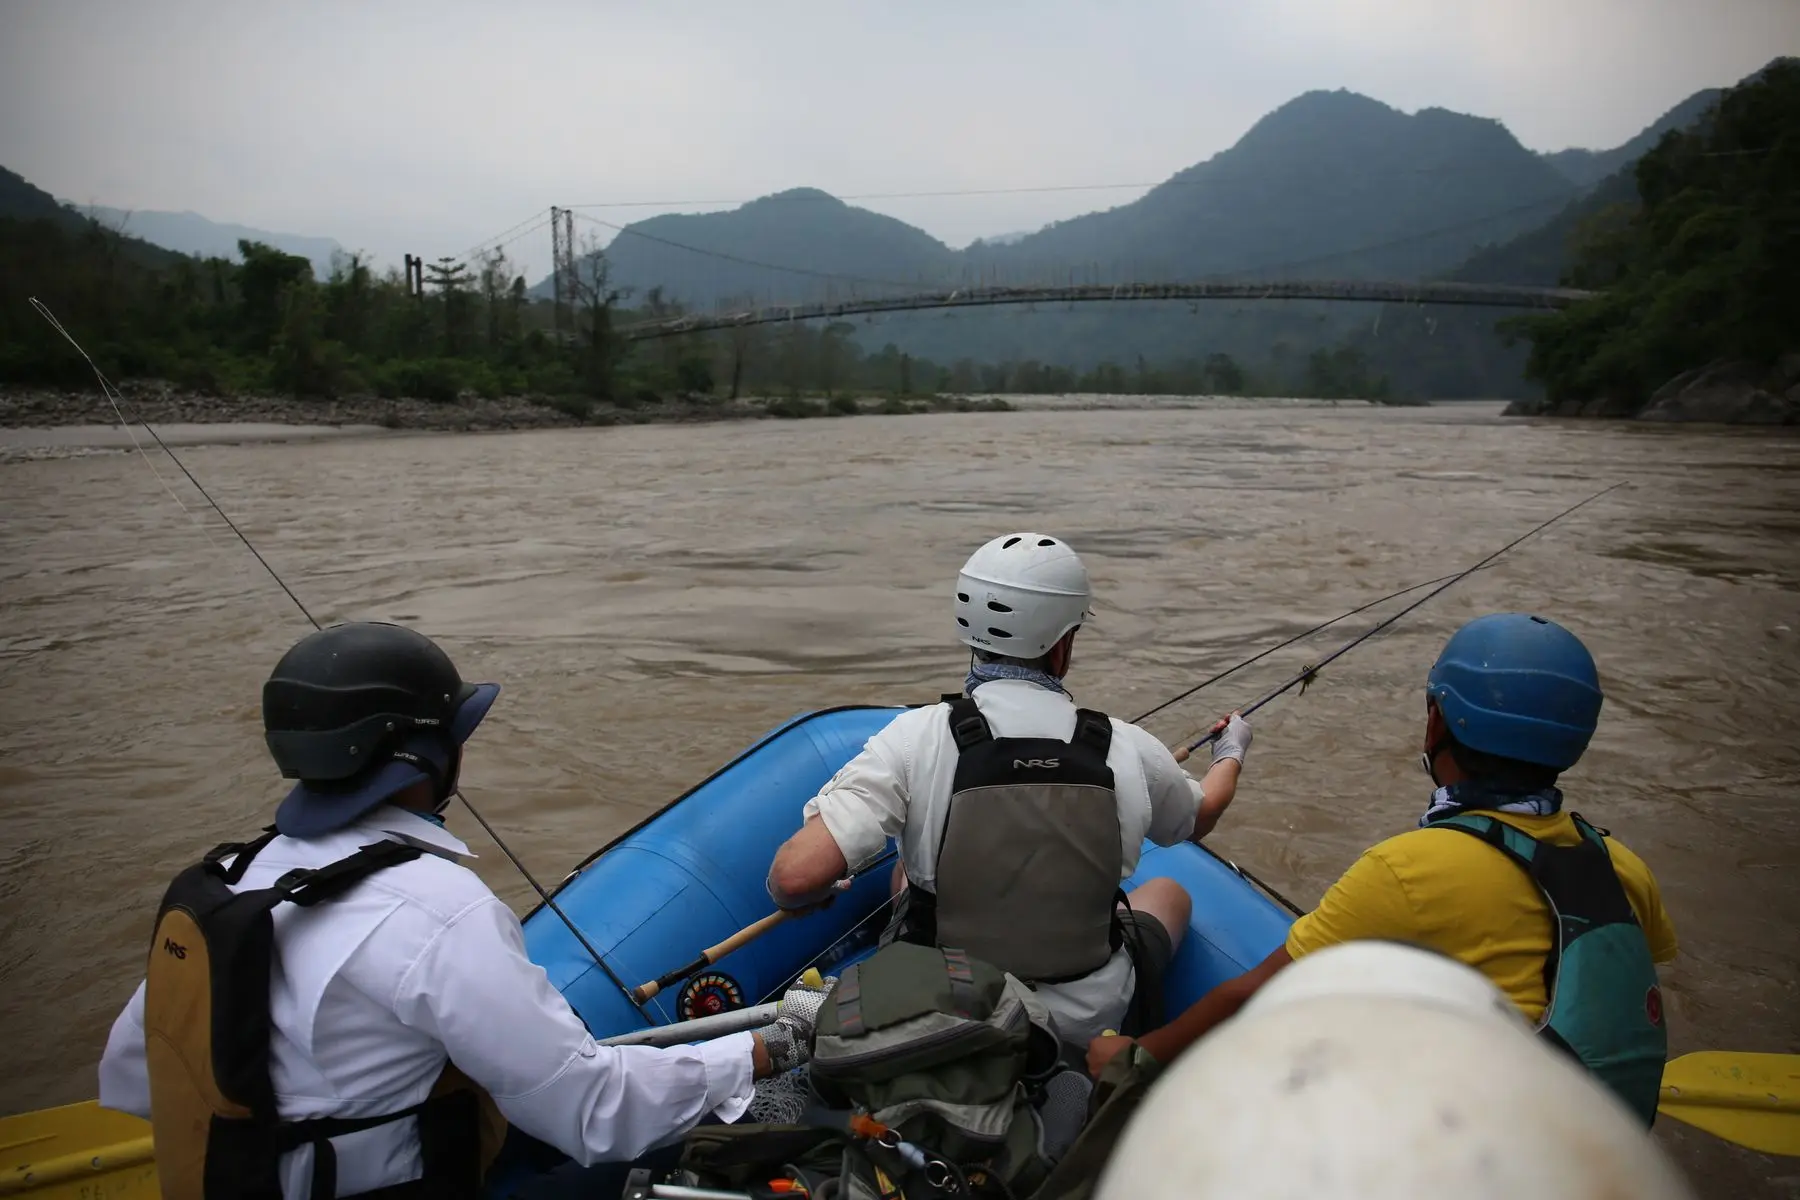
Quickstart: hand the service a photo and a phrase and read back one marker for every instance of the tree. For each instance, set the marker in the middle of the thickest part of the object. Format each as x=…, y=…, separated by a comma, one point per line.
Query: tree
x=1223, y=376
x=598, y=349
x=265, y=275
x=834, y=349
x=1705, y=268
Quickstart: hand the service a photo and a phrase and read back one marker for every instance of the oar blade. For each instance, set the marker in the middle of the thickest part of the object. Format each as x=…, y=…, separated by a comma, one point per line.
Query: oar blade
x=1750, y=1099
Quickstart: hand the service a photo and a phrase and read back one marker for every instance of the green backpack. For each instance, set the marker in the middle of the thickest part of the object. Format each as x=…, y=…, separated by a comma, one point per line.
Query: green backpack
x=950, y=1053
x=1604, y=1001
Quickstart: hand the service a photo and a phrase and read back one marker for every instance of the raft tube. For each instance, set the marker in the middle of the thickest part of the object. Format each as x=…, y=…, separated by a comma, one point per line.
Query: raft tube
x=693, y=874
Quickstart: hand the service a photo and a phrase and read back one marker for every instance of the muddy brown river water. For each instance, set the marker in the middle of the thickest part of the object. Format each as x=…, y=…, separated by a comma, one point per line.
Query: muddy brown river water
x=653, y=598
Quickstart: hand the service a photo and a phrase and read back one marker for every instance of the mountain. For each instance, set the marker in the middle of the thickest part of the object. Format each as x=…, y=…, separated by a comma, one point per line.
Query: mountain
x=21, y=200
x=796, y=244
x=191, y=233
x=25, y=201
x=1586, y=168
x=1332, y=184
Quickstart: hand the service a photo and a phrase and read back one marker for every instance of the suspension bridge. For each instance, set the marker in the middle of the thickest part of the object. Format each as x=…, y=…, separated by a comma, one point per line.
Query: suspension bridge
x=1483, y=295
x=848, y=296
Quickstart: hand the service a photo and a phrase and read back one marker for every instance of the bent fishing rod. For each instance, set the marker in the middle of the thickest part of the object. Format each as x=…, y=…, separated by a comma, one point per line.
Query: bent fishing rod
x=1310, y=673
x=111, y=394
x=1256, y=658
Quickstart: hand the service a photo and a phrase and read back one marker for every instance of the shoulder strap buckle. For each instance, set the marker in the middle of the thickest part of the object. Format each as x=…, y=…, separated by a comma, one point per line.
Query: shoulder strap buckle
x=1095, y=728
x=308, y=886
x=967, y=726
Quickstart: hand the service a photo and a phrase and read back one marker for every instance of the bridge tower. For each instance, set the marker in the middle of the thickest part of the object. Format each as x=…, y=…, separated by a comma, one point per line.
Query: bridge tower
x=562, y=270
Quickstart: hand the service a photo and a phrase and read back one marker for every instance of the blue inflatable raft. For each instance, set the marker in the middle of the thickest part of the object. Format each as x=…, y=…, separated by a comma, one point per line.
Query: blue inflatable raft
x=693, y=875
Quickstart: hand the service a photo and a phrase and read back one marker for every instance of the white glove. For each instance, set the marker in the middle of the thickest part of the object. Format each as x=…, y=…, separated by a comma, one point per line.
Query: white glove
x=1233, y=741
x=789, y=1038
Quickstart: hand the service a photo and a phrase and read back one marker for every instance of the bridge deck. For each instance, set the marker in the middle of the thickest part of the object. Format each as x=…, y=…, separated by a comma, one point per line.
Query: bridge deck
x=1482, y=294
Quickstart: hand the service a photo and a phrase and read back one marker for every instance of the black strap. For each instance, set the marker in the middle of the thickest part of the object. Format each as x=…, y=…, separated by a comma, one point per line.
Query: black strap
x=246, y=853
x=1095, y=728
x=967, y=725
x=308, y=887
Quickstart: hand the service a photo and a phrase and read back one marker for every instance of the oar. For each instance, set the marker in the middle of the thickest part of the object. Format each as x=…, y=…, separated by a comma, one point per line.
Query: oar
x=1750, y=1099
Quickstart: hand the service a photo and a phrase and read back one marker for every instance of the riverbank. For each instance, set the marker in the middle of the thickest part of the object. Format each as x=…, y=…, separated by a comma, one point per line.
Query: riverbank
x=1726, y=392
x=77, y=414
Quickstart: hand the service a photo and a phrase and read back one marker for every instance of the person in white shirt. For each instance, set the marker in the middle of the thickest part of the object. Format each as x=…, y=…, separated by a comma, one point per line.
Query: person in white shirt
x=1018, y=814
x=388, y=1030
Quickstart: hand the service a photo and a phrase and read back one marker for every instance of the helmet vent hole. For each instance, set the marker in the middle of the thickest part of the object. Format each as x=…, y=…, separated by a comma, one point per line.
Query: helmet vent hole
x=1046, y=541
x=962, y=622
x=1540, y=620
x=999, y=633
x=996, y=606
x=1010, y=543
x=963, y=596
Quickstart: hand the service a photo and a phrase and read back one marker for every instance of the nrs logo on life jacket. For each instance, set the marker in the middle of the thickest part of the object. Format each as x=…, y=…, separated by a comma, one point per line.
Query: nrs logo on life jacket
x=1604, y=1005
x=207, y=1032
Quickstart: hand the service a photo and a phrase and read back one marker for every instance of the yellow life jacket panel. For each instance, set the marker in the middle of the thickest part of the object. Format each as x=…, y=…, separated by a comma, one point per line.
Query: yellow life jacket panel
x=207, y=1027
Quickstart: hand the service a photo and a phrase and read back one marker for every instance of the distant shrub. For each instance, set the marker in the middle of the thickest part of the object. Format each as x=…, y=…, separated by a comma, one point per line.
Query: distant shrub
x=794, y=408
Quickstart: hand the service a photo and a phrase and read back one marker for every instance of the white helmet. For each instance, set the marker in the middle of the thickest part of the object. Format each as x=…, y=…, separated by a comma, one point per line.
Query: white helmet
x=1019, y=594
x=1382, y=1071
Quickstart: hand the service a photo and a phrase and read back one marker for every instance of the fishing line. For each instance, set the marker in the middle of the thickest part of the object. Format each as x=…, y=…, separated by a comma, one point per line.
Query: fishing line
x=107, y=390
x=1361, y=608
x=1310, y=673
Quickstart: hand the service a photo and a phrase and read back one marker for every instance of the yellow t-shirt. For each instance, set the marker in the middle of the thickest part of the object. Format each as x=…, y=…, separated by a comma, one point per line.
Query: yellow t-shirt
x=1452, y=892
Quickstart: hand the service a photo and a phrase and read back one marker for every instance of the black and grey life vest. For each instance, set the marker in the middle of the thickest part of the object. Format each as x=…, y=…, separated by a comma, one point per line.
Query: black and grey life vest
x=1029, y=858
x=207, y=1031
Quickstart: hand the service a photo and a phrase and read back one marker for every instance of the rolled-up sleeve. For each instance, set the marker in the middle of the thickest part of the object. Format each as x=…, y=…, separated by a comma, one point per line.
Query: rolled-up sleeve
x=1174, y=794
x=494, y=1010
x=124, y=1066
x=864, y=804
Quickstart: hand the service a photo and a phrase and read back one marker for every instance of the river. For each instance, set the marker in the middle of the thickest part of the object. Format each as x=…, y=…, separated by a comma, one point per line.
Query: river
x=652, y=598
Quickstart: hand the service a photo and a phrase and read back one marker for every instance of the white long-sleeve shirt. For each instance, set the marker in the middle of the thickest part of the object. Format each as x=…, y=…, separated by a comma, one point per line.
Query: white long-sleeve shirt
x=373, y=991
x=900, y=785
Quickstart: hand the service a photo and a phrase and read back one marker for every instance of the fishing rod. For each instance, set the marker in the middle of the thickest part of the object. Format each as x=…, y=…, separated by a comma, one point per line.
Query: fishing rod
x=110, y=392
x=1310, y=673
x=1255, y=658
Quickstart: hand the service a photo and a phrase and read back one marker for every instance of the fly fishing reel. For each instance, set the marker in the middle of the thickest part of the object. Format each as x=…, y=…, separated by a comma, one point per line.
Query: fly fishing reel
x=707, y=995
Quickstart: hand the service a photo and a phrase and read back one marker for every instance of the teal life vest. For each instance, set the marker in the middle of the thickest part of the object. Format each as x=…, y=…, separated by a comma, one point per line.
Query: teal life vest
x=1604, y=1005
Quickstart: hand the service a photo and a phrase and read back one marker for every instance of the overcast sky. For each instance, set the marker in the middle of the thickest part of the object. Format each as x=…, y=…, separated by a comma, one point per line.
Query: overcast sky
x=432, y=126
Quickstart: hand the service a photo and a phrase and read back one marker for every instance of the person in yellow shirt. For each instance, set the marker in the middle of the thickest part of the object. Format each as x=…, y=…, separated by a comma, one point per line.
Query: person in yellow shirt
x=1556, y=913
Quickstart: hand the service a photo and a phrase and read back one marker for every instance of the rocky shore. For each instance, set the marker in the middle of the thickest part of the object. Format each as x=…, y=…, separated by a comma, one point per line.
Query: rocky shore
x=1726, y=392
x=163, y=404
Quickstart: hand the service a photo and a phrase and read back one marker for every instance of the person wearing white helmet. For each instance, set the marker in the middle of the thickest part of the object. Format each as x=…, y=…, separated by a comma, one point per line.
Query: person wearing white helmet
x=1018, y=814
x=1376, y=1070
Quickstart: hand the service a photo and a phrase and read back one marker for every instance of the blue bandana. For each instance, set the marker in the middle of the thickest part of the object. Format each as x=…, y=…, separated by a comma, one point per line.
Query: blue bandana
x=982, y=673
x=1472, y=795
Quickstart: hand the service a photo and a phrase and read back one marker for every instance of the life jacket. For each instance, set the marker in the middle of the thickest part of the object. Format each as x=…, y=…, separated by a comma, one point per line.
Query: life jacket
x=207, y=1028
x=1029, y=859
x=1604, y=1003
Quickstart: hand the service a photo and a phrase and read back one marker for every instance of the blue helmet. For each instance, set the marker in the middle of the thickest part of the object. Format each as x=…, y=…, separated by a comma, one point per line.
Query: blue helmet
x=1520, y=687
